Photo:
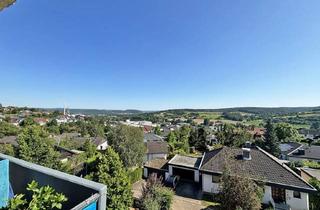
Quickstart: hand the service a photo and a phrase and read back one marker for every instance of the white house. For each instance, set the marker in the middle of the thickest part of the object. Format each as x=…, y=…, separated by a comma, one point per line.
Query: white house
x=283, y=188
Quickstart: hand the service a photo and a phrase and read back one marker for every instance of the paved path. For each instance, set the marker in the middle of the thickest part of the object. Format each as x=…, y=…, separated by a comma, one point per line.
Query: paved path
x=179, y=202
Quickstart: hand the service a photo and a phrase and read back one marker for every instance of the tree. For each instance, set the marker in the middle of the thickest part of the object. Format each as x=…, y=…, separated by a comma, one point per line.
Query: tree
x=127, y=141
x=6, y=3
x=233, y=136
x=89, y=148
x=7, y=149
x=27, y=122
x=239, y=193
x=36, y=147
x=157, y=130
x=108, y=169
x=43, y=198
x=206, y=121
x=286, y=132
x=7, y=129
x=315, y=125
x=314, y=199
x=271, y=140
x=155, y=196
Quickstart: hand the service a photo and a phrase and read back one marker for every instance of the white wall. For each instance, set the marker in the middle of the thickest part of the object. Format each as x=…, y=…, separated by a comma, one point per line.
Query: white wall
x=267, y=197
x=196, y=175
x=145, y=172
x=207, y=185
x=297, y=203
x=103, y=146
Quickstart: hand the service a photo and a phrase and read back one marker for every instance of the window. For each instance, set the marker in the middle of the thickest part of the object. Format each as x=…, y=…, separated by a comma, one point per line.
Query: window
x=215, y=179
x=296, y=194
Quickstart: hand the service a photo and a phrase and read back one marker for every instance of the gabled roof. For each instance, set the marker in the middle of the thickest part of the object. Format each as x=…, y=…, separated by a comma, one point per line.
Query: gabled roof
x=287, y=148
x=152, y=137
x=262, y=166
x=157, y=164
x=310, y=152
x=157, y=147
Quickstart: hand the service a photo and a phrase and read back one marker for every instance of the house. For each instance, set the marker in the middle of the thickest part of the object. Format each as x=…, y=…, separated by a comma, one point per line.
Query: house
x=9, y=140
x=41, y=121
x=288, y=148
x=305, y=152
x=157, y=166
x=156, y=150
x=100, y=142
x=151, y=137
x=282, y=187
x=257, y=133
x=312, y=134
x=82, y=194
x=309, y=173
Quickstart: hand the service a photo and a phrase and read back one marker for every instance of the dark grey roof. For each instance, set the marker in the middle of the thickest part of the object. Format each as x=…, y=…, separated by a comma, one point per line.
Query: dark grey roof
x=288, y=147
x=157, y=147
x=9, y=140
x=262, y=166
x=312, y=172
x=310, y=152
x=152, y=137
x=157, y=164
x=186, y=161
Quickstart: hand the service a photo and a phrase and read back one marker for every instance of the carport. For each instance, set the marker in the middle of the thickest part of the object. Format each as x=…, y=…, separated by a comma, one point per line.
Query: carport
x=185, y=166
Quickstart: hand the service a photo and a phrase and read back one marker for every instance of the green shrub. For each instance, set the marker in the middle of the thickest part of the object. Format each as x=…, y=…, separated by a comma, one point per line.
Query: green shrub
x=164, y=196
x=135, y=175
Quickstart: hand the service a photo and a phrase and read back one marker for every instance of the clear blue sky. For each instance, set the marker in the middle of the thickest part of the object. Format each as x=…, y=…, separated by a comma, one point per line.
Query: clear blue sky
x=159, y=54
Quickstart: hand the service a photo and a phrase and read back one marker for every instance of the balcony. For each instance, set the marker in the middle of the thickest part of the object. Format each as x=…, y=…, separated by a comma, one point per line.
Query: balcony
x=82, y=194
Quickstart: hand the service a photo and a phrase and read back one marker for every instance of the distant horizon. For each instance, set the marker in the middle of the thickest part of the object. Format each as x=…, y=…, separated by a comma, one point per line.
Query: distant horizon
x=146, y=110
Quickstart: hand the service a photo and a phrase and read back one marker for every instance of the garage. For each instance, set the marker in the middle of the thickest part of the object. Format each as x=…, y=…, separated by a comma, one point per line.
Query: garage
x=185, y=166
x=183, y=173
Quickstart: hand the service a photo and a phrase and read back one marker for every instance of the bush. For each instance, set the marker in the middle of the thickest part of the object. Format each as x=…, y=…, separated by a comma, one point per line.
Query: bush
x=155, y=196
x=135, y=175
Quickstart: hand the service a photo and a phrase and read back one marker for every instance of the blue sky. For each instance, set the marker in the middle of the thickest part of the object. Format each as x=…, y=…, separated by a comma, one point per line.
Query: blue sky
x=159, y=54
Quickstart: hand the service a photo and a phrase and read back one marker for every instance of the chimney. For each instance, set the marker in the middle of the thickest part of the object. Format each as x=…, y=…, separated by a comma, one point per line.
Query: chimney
x=246, y=155
x=247, y=144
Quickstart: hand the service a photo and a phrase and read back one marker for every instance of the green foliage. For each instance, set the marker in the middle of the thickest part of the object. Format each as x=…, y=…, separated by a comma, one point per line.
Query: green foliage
x=271, y=140
x=239, y=192
x=127, y=141
x=286, y=132
x=6, y=3
x=235, y=116
x=154, y=195
x=135, y=175
x=7, y=149
x=178, y=140
x=314, y=199
x=42, y=198
x=7, y=129
x=108, y=169
x=89, y=148
x=27, y=122
x=233, y=136
x=157, y=130
x=36, y=147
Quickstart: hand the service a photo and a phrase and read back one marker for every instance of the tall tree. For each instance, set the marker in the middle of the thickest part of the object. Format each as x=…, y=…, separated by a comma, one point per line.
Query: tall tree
x=239, y=193
x=286, y=132
x=36, y=147
x=109, y=170
x=271, y=139
x=315, y=197
x=127, y=141
x=6, y=3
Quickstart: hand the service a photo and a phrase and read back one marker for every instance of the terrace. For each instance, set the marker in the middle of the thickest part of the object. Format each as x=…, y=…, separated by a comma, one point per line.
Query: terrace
x=81, y=193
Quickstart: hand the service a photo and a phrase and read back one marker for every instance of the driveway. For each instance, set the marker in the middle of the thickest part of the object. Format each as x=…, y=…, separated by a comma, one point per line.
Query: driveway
x=187, y=196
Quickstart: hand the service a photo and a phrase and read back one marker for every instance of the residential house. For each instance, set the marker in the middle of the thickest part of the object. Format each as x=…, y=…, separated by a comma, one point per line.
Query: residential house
x=152, y=137
x=305, y=152
x=41, y=121
x=288, y=148
x=283, y=188
x=156, y=150
x=100, y=142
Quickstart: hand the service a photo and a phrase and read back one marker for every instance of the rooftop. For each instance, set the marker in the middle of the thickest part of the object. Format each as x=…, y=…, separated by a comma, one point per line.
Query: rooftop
x=157, y=164
x=288, y=147
x=310, y=152
x=157, y=147
x=186, y=161
x=262, y=166
x=9, y=140
x=312, y=172
x=152, y=137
